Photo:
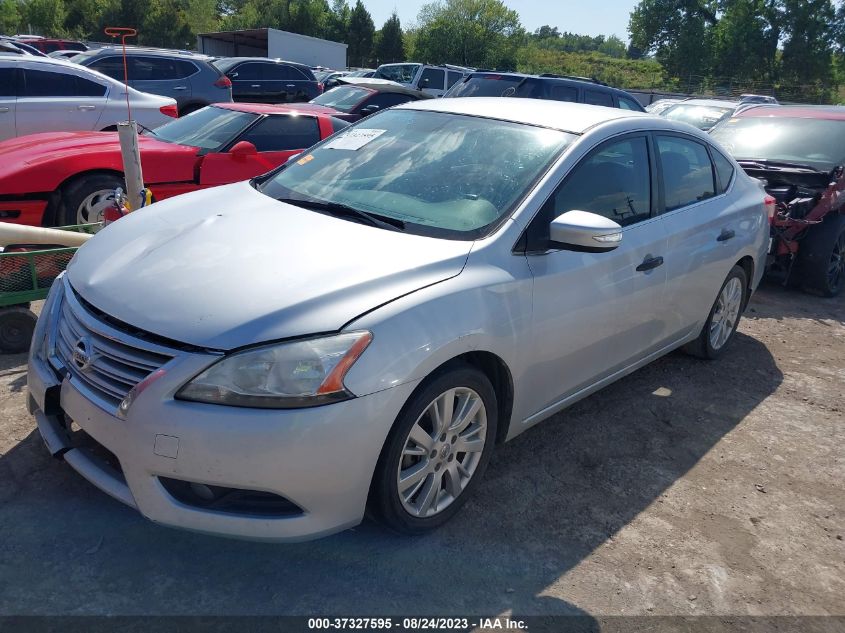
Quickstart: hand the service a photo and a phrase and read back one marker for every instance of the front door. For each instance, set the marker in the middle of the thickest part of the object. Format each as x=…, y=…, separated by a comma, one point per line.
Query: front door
x=50, y=101
x=8, y=100
x=597, y=313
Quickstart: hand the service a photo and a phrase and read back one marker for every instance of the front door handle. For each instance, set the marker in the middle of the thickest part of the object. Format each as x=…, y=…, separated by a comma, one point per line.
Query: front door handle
x=180, y=87
x=4, y=109
x=255, y=86
x=725, y=235
x=290, y=85
x=86, y=107
x=650, y=263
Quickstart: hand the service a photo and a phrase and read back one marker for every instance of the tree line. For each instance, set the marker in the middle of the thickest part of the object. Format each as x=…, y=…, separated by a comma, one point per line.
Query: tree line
x=796, y=46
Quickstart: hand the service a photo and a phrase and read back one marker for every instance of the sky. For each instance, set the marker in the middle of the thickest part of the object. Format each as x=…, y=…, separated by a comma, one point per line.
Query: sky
x=599, y=17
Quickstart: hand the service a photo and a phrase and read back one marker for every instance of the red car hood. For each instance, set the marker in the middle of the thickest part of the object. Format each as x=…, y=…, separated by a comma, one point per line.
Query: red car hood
x=41, y=162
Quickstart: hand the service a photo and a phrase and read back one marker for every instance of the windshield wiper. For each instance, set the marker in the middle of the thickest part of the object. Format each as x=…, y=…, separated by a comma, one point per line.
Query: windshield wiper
x=342, y=210
x=776, y=164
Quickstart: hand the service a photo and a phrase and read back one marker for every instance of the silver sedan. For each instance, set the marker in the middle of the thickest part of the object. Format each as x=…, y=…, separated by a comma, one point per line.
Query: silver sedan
x=362, y=326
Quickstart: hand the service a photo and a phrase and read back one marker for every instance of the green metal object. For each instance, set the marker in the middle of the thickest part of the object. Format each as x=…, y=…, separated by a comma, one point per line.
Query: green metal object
x=27, y=276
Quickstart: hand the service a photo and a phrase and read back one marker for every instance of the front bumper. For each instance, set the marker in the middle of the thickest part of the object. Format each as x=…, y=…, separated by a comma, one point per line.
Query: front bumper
x=24, y=211
x=322, y=459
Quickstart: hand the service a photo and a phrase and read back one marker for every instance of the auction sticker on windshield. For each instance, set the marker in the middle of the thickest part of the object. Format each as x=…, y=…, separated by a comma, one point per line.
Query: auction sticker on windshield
x=354, y=139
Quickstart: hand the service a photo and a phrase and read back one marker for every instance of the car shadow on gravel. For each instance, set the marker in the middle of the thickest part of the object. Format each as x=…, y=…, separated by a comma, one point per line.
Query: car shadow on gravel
x=13, y=369
x=548, y=500
x=774, y=301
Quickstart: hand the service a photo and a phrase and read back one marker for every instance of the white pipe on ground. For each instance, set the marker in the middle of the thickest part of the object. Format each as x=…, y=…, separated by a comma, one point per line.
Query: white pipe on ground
x=20, y=234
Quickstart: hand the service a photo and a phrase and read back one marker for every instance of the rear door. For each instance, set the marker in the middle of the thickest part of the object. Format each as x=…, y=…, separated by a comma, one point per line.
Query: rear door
x=8, y=102
x=704, y=224
x=284, y=84
x=277, y=137
x=57, y=100
x=162, y=76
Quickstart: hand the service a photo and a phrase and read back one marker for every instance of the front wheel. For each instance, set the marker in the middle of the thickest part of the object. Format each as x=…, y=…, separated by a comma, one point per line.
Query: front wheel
x=437, y=451
x=86, y=198
x=723, y=319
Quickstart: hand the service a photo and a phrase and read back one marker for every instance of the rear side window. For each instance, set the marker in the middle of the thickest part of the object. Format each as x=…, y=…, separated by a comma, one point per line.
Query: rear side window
x=724, y=171
x=629, y=104
x=282, y=72
x=247, y=72
x=111, y=66
x=614, y=182
x=7, y=82
x=595, y=97
x=563, y=93
x=436, y=78
x=39, y=83
x=279, y=133
x=158, y=68
x=687, y=171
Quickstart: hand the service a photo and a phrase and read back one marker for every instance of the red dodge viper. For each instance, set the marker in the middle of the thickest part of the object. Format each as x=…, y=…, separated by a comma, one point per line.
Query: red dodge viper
x=56, y=179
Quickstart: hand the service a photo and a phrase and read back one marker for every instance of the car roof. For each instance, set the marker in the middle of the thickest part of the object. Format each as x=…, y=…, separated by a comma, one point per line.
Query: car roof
x=258, y=108
x=718, y=103
x=558, y=115
x=231, y=61
x=830, y=113
x=35, y=59
x=143, y=50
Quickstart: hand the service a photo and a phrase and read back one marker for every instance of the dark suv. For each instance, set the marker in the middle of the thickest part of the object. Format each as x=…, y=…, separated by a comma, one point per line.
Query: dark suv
x=190, y=79
x=554, y=87
x=262, y=80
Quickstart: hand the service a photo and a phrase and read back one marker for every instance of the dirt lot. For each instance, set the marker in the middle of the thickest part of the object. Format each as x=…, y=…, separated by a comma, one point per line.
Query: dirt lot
x=687, y=488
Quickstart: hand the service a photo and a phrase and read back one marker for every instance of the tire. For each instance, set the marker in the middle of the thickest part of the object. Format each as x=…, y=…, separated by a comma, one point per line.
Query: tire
x=16, y=327
x=83, y=193
x=444, y=468
x=821, y=257
x=722, y=322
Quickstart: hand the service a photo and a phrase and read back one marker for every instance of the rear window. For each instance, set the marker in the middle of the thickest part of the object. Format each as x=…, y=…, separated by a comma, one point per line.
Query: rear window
x=597, y=97
x=400, y=73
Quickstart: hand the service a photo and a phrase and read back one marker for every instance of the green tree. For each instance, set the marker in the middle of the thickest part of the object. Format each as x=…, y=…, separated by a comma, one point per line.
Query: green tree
x=745, y=41
x=808, y=26
x=337, y=21
x=390, y=46
x=482, y=33
x=10, y=17
x=202, y=16
x=166, y=25
x=360, y=36
x=45, y=17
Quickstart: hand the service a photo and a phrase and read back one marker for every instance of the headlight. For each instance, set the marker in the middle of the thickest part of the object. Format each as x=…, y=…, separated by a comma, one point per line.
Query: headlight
x=40, y=346
x=296, y=374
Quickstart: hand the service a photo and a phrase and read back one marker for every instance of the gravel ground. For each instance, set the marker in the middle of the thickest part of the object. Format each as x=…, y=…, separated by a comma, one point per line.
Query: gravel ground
x=688, y=488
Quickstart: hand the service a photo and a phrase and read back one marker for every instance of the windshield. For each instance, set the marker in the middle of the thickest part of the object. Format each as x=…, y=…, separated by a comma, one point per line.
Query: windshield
x=400, y=73
x=817, y=143
x=444, y=175
x=343, y=98
x=701, y=116
x=208, y=128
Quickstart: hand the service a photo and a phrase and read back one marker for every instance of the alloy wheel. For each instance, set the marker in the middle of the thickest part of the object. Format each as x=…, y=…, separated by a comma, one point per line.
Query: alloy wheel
x=93, y=207
x=442, y=452
x=726, y=313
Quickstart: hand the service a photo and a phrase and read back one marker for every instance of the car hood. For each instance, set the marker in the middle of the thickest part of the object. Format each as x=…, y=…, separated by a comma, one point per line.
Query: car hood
x=227, y=267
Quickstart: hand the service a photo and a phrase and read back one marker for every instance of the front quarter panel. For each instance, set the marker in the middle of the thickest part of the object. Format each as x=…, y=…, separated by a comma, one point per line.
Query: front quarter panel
x=485, y=308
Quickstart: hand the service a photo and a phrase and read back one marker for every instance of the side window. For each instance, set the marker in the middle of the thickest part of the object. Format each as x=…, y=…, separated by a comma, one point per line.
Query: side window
x=7, y=82
x=153, y=69
x=184, y=69
x=279, y=133
x=281, y=72
x=111, y=66
x=435, y=76
x=627, y=104
x=385, y=100
x=453, y=78
x=614, y=182
x=248, y=72
x=724, y=170
x=687, y=171
x=38, y=83
x=596, y=97
x=563, y=93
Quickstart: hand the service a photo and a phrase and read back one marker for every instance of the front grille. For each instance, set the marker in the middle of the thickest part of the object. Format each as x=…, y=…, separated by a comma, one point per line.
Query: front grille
x=108, y=363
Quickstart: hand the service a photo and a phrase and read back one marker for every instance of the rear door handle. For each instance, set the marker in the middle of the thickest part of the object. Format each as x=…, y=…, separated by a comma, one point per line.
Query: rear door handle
x=650, y=263
x=4, y=109
x=255, y=86
x=290, y=86
x=180, y=88
x=86, y=107
x=725, y=235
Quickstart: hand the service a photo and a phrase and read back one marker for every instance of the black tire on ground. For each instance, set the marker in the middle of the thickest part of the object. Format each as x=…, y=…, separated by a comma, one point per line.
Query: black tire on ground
x=384, y=500
x=75, y=193
x=821, y=257
x=16, y=327
x=702, y=346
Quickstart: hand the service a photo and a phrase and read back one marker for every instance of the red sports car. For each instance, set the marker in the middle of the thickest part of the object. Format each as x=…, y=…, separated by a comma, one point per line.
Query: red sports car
x=56, y=179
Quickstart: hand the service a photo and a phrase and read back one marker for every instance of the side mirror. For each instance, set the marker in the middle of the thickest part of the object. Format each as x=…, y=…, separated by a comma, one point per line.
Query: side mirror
x=425, y=82
x=243, y=150
x=586, y=232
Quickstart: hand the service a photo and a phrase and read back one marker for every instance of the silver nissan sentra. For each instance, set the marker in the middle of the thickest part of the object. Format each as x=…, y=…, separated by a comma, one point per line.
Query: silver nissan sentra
x=360, y=327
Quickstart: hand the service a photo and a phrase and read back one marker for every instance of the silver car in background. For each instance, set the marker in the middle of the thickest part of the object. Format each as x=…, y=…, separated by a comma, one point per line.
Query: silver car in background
x=43, y=94
x=362, y=326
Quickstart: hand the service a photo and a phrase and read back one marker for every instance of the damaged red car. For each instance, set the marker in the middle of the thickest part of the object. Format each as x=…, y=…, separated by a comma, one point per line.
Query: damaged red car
x=61, y=178
x=799, y=154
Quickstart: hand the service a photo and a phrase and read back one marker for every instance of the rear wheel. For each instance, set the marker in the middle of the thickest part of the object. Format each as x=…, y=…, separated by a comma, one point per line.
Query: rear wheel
x=723, y=319
x=437, y=451
x=821, y=257
x=85, y=199
x=16, y=327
